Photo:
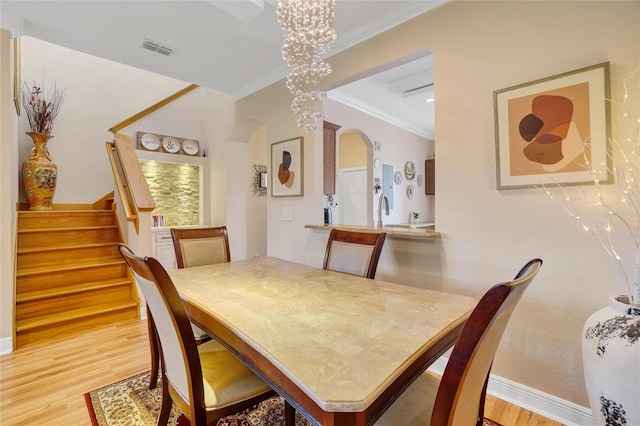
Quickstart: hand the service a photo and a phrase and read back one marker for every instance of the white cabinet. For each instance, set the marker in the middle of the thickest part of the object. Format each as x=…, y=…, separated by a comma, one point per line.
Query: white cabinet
x=162, y=248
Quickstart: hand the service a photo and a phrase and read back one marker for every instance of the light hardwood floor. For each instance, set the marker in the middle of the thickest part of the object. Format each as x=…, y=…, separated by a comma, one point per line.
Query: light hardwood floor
x=44, y=384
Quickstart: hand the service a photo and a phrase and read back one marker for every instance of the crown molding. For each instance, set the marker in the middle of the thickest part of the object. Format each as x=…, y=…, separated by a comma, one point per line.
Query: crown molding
x=379, y=114
x=15, y=25
x=397, y=17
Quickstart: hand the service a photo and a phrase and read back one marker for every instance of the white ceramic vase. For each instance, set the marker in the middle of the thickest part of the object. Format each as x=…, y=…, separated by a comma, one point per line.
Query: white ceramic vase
x=611, y=359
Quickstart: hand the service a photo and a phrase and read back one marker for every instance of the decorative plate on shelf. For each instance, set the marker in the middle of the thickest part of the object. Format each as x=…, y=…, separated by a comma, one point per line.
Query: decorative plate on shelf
x=150, y=141
x=171, y=145
x=397, y=178
x=410, y=170
x=376, y=163
x=420, y=180
x=410, y=191
x=190, y=147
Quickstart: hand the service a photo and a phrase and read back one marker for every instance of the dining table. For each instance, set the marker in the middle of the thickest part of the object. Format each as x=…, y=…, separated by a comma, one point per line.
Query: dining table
x=339, y=348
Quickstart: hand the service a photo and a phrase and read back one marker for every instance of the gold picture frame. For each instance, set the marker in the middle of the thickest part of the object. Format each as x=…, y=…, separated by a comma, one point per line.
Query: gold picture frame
x=287, y=168
x=546, y=130
x=17, y=83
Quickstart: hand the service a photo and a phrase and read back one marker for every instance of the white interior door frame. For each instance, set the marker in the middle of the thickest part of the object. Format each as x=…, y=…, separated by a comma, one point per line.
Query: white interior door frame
x=353, y=196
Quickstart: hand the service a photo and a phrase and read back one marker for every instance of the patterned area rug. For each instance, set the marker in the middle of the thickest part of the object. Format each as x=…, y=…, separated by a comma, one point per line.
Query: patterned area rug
x=131, y=403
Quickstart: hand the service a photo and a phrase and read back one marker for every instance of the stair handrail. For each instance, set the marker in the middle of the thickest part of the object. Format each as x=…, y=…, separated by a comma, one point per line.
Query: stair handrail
x=127, y=205
x=130, y=181
x=114, y=129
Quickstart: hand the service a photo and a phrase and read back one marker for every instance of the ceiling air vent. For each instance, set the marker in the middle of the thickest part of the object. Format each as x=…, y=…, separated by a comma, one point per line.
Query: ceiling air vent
x=157, y=47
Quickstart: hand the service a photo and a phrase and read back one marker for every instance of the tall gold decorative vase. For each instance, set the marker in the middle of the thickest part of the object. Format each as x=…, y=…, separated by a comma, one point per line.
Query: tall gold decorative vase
x=39, y=174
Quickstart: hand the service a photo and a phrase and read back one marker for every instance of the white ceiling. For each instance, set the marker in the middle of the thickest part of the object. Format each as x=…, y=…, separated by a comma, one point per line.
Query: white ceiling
x=402, y=95
x=232, y=46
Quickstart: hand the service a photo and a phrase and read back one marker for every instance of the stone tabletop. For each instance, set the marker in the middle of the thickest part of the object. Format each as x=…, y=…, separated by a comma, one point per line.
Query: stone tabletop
x=341, y=338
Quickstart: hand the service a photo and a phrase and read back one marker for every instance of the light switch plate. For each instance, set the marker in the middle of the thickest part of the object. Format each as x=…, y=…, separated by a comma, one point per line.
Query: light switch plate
x=287, y=214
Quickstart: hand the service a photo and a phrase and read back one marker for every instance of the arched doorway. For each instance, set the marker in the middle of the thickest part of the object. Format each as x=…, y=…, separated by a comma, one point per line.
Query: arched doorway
x=354, y=160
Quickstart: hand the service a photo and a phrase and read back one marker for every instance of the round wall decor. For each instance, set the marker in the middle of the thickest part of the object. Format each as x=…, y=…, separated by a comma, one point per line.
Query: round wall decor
x=171, y=145
x=190, y=147
x=150, y=141
x=410, y=170
x=397, y=178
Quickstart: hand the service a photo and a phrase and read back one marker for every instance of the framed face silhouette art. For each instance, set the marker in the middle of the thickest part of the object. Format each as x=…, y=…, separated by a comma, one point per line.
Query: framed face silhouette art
x=551, y=131
x=287, y=161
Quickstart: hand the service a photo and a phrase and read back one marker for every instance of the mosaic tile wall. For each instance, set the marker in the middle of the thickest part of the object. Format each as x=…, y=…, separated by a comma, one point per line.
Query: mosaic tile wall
x=176, y=191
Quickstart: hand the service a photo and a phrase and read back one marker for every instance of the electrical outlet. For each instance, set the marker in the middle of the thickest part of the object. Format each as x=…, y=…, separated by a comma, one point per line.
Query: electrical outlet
x=287, y=214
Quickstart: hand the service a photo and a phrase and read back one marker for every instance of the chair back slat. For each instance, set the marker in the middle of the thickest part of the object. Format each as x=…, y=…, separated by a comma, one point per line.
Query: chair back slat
x=201, y=246
x=460, y=397
x=355, y=253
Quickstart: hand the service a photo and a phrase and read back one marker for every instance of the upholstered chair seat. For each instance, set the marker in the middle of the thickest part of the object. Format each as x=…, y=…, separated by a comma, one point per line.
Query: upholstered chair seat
x=415, y=405
x=226, y=380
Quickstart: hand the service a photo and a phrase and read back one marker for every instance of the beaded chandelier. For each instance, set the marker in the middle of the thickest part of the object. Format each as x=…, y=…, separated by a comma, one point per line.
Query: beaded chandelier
x=308, y=28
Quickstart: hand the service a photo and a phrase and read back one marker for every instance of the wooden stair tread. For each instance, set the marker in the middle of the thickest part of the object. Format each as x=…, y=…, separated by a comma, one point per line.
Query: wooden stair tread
x=69, y=228
x=74, y=314
x=71, y=289
x=72, y=247
x=63, y=213
x=68, y=266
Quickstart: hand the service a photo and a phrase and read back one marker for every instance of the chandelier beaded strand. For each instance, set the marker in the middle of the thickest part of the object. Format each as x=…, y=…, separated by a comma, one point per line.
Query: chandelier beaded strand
x=308, y=28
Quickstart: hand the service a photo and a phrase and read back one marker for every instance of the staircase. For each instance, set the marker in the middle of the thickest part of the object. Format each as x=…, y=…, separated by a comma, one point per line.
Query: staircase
x=70, y=277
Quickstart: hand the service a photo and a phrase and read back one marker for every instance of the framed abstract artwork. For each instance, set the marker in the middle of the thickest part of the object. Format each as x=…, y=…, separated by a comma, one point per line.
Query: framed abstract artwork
x=551, y=131
x=287, y=161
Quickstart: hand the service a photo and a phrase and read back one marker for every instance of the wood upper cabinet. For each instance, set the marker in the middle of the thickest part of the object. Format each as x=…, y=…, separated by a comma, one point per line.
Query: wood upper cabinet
x=430, y=176
x=329, y=157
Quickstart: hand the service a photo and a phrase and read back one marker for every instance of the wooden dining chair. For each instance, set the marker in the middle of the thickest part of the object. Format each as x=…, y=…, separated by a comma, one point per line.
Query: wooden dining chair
x=197, y=247
x=205, y=381
x=355, y=253
x=458, y=397
x=201, y=246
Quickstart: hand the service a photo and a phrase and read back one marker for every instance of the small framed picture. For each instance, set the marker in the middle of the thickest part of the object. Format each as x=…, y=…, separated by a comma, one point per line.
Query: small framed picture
x=287, y=171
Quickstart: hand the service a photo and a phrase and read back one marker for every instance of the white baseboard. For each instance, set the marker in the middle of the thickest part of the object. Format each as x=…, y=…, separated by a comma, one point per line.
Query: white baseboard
x=6, y=345
x=547, y=405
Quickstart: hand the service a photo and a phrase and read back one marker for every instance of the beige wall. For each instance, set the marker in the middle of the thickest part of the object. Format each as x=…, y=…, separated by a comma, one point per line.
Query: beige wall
x=257, y=205
x=480, y=47
x=8, y=188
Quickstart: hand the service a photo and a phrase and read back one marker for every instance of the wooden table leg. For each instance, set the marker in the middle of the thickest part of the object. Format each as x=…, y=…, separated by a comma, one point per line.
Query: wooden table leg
x=289, y=414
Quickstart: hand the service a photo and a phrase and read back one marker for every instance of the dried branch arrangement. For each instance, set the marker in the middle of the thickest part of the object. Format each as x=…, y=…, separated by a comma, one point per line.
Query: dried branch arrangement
x=611, y=213
x=41, y=106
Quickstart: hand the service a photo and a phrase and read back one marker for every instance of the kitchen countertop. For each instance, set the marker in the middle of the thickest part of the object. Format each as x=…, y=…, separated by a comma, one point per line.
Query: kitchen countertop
x=391, y=231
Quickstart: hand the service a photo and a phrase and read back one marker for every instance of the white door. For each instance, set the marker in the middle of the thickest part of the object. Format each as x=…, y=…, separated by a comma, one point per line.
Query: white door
x=353, y=196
